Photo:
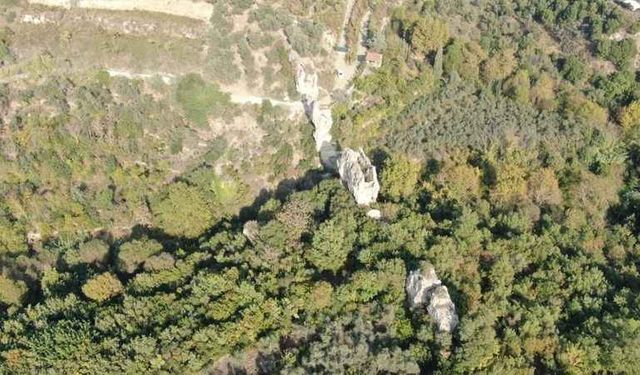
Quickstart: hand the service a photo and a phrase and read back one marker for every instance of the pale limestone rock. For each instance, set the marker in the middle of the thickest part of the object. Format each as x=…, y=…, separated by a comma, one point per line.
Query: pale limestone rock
x=307, y=84
x=425, y=289
x=250, y=230
x=630, y=4
x=374, y=214
x=34, y=19
x=329, y=155
x=33, y=237
x=419, y=283
x=322, y=121
x=293, y=57
x=442, y=310
x=359, y=175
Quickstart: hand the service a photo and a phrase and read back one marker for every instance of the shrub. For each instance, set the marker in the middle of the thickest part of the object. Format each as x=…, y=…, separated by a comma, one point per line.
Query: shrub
x=11, y=291
x=429, y=34
x=399, y=177
x=573, y=70
x=305, y=38
x=269, y=19
x=543, y=187
x=12, y=237
x=518, y=87
x=102, y=287
x=499, y=66
x=620, y=52
x=630, y=115
x=182, y=210
x=94, y=251
x=132, y=255
x=199, y=99
x=331, y=247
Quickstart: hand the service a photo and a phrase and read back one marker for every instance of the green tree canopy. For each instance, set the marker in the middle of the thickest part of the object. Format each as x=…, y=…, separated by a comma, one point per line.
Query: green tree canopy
x=182, y=210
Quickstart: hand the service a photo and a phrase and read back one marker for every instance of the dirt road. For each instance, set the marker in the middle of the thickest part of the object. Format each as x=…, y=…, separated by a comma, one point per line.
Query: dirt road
x=252, y=99
x=166, y=77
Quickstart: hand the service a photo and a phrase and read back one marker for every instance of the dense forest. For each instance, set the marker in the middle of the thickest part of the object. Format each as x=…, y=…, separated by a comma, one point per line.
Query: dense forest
x=542, y=280
x=506, y=137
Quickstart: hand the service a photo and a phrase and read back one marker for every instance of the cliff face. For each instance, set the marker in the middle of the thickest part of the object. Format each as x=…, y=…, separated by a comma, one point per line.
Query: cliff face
x=359, y=176
x=425, y=289
x=322, y=122
x=306, y=83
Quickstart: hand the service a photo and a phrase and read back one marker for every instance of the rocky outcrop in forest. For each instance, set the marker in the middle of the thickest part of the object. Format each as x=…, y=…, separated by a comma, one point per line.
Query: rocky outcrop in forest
x=425, y=289
x=359, y=176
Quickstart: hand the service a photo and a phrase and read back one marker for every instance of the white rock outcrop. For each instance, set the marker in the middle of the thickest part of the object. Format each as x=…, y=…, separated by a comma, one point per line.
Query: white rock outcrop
x=425, y=289
x=631, y=4
x=307, y=84
x=419, y=283
x=322, y=122
x=374, y=214
x=320, y=115
x=359, y=176
x=250, y=230
x=442, y=310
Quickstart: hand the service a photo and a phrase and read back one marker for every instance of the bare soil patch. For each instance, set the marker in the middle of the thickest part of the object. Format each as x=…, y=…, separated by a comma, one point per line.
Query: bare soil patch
x=182, y=8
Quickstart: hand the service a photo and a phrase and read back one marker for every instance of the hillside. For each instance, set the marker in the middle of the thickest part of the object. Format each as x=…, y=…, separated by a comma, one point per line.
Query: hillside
x=335, y=186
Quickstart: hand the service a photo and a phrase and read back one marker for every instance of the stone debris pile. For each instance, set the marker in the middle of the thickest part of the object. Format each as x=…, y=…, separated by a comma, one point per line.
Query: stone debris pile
x=425, y=289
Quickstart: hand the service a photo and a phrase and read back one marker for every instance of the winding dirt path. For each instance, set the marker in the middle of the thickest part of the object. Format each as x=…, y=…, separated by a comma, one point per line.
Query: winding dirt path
x=238, y=98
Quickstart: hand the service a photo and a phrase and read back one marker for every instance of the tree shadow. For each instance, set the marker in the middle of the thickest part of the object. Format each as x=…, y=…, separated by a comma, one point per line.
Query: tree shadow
x=282, y=192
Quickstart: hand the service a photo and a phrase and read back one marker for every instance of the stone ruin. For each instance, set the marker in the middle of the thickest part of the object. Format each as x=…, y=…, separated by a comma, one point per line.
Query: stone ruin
x=425, y=289
x=359, y=176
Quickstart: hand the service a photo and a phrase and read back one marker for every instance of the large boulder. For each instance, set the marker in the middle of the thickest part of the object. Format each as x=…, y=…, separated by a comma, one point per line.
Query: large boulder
x=425, y=289
x=359, y=176
x=442, y=310
x=251, y=229
x=322, y=121
x=419, y=283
